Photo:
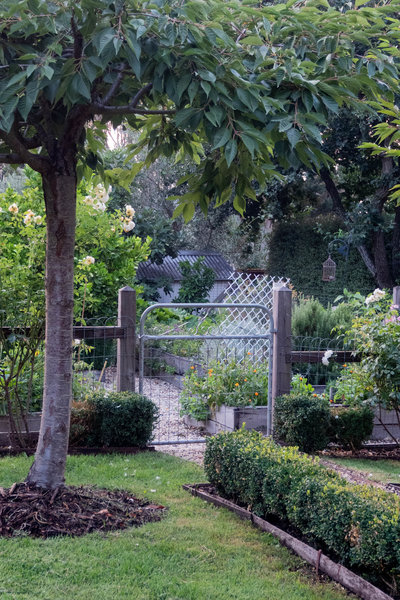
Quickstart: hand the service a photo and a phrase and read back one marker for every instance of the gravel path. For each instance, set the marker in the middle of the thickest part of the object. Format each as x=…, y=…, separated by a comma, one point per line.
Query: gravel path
x=170, y=425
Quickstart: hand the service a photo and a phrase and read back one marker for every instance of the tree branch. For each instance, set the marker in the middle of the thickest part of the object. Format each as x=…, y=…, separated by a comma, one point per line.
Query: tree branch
x=140, y=95
x=113, y=89
x=340, y=210
x=11, y=159
x=99, y=109
x=38, y=163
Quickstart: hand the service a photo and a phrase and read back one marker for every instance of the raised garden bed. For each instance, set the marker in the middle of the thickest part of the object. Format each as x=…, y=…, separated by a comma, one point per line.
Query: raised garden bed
x=29, y=435
x=229, y=418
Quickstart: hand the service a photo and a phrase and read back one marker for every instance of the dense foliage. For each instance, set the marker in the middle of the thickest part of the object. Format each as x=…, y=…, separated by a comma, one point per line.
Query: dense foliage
x=359, y=525
x=302, y=420
x=351, y=426
x=298, y=250
x=106, y=256
x=113, y=419
x=197, y=281
x=230, y=382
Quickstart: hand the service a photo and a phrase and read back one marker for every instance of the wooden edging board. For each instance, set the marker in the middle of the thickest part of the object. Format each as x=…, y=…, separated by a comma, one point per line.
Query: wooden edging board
x=321, y=562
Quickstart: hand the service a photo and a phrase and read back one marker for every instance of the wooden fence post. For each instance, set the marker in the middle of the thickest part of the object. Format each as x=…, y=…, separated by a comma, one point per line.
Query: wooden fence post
x=282, y=370
x=126, y=360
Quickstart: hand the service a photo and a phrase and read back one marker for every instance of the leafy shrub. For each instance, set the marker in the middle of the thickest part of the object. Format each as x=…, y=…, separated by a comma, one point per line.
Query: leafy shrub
x=116, y=419
x=352, y=386
x=311, y=318
x=359, y=525
x=302, y=420
x=229, y=382
x=300, y=385
x=197, y=281
x=350, y=427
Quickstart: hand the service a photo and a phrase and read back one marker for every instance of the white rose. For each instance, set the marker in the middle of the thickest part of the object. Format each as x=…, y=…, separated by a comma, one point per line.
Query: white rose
x=88, y=260
x=130, y=211
x=129, y=226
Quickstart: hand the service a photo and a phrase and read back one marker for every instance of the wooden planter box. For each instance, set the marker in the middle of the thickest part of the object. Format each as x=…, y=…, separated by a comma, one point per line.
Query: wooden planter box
x=229, y=418
x=389, y=418
x=31, y=435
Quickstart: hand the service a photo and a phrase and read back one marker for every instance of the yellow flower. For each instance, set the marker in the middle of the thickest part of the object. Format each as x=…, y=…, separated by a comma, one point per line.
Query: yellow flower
x=192, y=367
x=245, y=379
x=236, y=384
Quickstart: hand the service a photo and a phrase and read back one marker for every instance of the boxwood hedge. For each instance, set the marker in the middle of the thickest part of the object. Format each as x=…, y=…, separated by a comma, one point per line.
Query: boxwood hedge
x=358, y=525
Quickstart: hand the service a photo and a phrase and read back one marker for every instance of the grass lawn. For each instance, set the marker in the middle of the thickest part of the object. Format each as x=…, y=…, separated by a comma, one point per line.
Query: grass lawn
x=198, y=552
x=377, y=470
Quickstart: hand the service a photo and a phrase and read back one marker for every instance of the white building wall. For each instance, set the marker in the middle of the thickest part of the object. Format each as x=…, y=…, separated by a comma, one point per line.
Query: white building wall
x=215, y=291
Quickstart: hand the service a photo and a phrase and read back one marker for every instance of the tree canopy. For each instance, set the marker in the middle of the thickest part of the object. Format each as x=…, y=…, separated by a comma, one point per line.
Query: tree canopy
x=236, y=86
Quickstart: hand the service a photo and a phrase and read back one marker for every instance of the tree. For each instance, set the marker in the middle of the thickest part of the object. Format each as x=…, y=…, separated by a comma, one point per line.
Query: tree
x=252, y=82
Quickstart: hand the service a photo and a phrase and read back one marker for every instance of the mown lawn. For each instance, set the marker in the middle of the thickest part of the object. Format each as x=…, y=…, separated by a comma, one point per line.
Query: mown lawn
x=376, y=470
x=198, y=552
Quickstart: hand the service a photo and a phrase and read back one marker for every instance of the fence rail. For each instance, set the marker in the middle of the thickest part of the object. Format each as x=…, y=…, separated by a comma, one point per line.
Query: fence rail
x=97, y=332
x=316, y=356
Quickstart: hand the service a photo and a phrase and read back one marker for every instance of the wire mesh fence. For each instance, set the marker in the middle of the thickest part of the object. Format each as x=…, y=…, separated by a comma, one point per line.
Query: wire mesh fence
x=203, y=369
x=95, y=357
x=249, y=288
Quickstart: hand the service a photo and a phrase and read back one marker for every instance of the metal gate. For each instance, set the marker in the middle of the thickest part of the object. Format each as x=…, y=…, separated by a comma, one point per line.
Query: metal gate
x=200, y=350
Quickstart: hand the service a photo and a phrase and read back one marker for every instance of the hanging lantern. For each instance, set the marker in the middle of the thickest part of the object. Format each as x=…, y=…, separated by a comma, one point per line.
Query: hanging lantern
x=329, y=270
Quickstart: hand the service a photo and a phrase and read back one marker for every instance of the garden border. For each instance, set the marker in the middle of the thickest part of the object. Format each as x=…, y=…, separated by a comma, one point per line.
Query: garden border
x=337, y=572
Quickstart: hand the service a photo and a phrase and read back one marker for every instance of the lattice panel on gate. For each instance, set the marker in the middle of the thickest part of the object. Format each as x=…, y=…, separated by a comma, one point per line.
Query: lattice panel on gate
x=248, y=288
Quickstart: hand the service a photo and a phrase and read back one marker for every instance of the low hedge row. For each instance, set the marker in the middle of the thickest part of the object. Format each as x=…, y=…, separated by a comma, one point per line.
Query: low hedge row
x=113, y=419
x=358, y=525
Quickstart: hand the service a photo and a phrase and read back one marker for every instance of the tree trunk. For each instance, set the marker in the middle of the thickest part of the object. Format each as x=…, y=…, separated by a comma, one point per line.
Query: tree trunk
x=339, y=209
x=396, y=245
x=383, y=274
x=59, y=189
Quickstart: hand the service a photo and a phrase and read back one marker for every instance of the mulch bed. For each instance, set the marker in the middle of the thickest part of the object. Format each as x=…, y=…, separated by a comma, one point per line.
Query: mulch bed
x=73, y=511
x=374, y=453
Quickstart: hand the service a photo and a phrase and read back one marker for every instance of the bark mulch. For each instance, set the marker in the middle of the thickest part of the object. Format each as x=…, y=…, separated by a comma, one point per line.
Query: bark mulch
x=373, y=453
x=73, y=511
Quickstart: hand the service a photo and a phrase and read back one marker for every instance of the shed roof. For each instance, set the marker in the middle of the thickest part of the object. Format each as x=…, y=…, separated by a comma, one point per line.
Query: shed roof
x=170, y=266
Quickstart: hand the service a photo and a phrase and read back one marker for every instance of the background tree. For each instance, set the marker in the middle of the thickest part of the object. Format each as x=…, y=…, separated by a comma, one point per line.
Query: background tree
x=252, y=82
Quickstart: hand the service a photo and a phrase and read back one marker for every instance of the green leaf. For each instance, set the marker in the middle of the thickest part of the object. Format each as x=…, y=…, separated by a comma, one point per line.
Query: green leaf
x=182, y=84
x=103, y=38
x=285, y=124
x=294, y=136
x=250, y=143
x=221, y=137
x=239, y=204
x=192, y=90
x=207, y=75
x=251, y=40
x=188, y=212
x=230, y=152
